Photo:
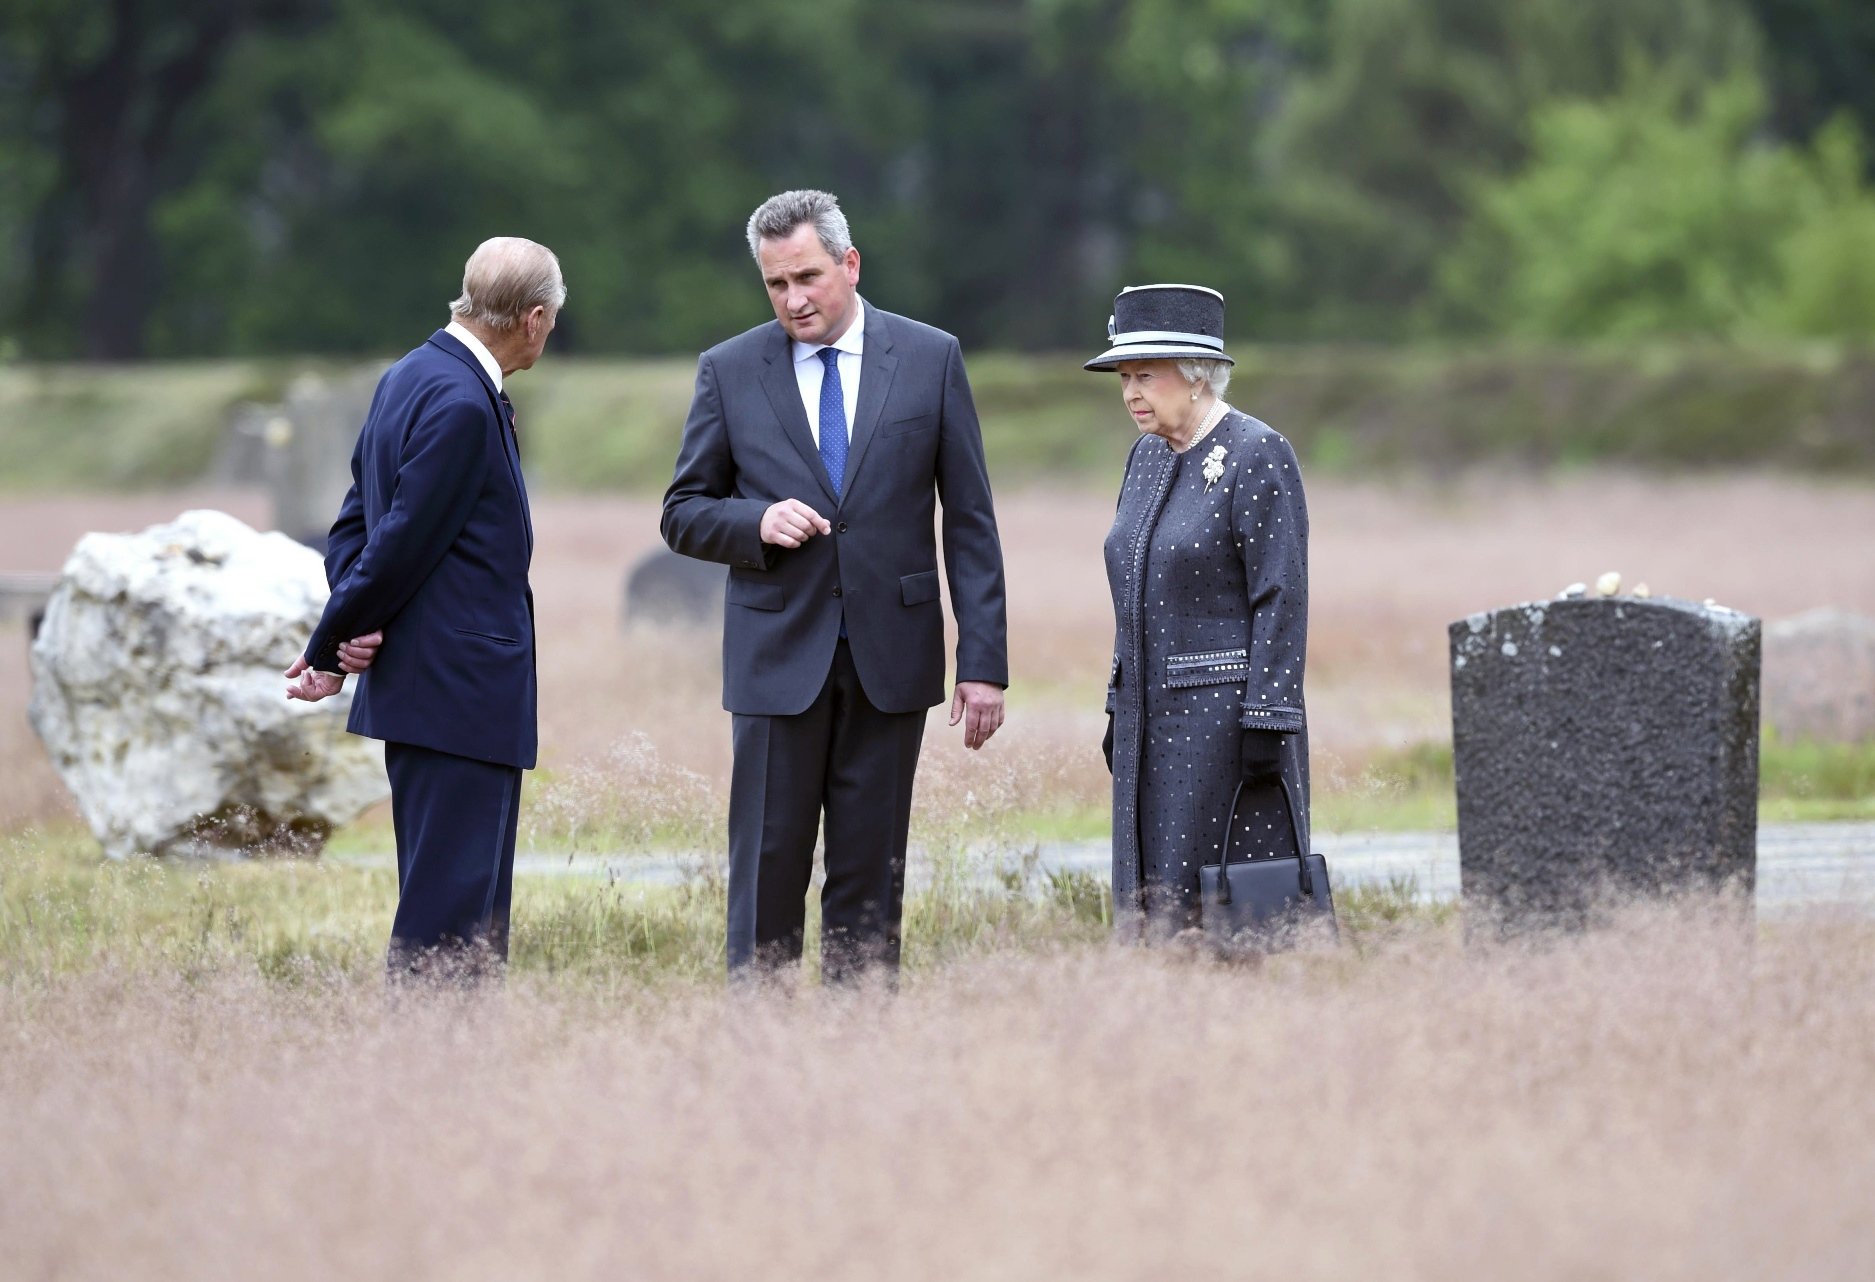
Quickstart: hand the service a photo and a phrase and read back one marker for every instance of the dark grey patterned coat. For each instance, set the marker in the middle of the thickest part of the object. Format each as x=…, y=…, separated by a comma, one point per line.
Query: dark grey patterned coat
x=1210, y=602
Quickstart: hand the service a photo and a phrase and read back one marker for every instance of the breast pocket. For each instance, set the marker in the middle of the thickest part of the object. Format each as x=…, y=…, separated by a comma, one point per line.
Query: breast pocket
x=912, y=423
x=1208, y=667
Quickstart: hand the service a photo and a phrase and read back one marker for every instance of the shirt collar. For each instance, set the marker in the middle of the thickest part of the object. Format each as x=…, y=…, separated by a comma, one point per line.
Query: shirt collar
x=854, y=340
x=460, y=332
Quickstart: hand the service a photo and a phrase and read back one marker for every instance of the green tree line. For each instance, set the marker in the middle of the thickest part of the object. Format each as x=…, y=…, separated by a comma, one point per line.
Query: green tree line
x=238, y=177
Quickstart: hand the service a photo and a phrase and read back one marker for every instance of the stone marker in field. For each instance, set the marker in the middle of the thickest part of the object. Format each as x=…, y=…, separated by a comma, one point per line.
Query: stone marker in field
x=1603, y=746
x=157, y=692
x=1819, y=677
x=300, y=449
x=663, y=588
x=309, y=451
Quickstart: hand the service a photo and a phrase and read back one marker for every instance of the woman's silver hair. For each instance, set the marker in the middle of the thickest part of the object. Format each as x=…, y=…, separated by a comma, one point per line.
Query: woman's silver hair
x=1214, y=374
x=777, y=217
x=506, y=278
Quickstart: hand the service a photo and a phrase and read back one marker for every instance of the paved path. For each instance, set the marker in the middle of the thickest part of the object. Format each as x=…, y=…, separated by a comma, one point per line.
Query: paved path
x=1798, y=864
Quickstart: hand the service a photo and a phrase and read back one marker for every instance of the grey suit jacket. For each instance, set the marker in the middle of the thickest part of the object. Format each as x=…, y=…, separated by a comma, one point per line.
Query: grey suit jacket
x=915, y=441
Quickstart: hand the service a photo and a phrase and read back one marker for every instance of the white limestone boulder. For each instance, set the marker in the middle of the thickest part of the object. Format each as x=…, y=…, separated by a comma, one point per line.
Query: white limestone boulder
x=157, y=692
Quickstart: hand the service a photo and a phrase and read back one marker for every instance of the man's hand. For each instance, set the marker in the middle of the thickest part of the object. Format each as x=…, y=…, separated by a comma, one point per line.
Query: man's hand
x=356, y=655
x=791, y=523
x=310, y=685
x=979, y=705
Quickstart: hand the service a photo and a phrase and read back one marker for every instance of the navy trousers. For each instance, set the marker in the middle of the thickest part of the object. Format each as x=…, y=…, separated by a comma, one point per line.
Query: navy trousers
x=455, y=820
x=844, y=757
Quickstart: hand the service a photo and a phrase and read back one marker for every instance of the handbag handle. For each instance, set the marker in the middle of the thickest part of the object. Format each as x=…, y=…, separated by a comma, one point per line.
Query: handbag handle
x=1304, y=880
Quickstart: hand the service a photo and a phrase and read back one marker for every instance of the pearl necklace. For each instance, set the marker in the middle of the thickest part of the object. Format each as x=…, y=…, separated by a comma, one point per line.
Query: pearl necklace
x=1211, y=420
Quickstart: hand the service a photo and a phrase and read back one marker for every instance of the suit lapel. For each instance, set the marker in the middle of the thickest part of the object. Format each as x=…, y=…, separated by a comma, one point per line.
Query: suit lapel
x=511, y=444
x=784, y=397
x=877, y=365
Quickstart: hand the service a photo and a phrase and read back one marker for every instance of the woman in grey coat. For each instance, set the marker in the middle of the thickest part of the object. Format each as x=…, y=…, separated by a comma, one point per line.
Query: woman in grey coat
x=1208, y=564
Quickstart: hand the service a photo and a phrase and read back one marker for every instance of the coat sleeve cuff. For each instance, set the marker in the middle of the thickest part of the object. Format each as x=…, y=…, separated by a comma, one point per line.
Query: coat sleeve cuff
x=750, y=552
x=322, y=655
x=1276, y=717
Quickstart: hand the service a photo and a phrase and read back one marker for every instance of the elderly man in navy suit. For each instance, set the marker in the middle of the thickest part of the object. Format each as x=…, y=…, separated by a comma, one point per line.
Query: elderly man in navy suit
x=816, y=451
x=428, y=568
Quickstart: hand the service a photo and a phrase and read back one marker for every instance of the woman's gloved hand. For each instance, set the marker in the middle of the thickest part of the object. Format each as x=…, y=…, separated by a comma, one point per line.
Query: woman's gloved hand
x=1106, y=744
x=1262, y=755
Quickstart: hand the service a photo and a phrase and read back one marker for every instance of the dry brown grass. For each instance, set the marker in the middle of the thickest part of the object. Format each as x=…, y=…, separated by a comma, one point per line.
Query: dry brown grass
x=1660, y=1100
x=1391, y=567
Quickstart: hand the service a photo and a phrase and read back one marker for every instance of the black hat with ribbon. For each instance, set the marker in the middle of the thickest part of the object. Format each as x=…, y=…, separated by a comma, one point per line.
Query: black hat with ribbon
x=1164, y=322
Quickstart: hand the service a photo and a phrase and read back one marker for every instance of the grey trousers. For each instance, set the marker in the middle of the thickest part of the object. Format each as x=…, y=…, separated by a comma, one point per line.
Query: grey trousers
x=846, y=760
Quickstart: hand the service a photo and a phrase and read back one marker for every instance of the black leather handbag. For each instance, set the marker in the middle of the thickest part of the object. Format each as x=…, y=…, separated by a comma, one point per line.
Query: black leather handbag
x=1265, y=904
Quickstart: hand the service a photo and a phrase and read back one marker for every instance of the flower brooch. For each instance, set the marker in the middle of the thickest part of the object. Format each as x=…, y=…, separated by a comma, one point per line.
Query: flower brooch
x=1213, y=467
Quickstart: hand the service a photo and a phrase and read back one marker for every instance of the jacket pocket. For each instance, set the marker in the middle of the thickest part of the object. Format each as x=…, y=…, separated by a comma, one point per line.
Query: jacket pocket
x=755, y=595
x=912, y=423
x=1208, y=667
x=919, y=588
x=497, y=638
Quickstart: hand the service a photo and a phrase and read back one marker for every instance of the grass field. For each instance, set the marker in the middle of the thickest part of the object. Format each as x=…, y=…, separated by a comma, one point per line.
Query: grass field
x=202, y=1076
x=611, y=425
x=636, y=747
x=1665, y=1099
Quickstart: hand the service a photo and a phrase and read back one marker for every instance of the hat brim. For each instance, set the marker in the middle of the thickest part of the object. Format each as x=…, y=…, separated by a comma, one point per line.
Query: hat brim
x=1110, y=359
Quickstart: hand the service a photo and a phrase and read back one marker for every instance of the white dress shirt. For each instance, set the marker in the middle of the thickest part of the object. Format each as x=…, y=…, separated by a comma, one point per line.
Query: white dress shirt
x=457, y=331
x=809, y=371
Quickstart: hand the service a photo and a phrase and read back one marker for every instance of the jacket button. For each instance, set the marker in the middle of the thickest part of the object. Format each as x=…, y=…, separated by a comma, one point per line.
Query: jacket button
x=840, y=528
x=836, y=592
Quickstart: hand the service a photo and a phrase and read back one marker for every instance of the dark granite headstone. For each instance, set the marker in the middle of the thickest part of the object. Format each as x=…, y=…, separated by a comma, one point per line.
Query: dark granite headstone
x=666, y=589
x=1604, y=747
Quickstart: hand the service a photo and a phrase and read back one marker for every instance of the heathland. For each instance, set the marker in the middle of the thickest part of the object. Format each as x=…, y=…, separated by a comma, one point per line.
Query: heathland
x=609, y=425
x=199, y=1068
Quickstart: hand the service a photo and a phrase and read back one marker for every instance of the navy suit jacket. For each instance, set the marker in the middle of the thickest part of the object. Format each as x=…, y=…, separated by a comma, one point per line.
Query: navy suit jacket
x=432, y=545
x=747, y=444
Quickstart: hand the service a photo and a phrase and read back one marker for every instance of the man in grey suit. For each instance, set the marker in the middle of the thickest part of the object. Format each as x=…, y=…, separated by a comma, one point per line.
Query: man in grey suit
x=814, y=455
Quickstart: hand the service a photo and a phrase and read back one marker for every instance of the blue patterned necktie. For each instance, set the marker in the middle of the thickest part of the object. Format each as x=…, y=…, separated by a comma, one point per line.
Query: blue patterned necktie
x=832, y=419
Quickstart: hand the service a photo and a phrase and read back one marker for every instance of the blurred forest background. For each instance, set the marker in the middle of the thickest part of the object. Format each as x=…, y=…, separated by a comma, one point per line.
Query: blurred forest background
x=253, y=177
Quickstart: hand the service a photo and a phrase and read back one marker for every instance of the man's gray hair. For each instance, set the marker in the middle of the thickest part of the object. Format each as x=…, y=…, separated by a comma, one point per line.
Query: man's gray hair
x=1214, y=374
x=504, y=279
x=777, y=218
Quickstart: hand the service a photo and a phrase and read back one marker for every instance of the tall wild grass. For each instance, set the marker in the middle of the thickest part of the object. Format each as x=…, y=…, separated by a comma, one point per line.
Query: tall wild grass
x=1669, y=1098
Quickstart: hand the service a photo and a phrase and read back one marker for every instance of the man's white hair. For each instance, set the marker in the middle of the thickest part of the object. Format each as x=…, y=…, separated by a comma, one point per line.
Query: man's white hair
x=506, y=278
x=1214, y=374
x=777, y=218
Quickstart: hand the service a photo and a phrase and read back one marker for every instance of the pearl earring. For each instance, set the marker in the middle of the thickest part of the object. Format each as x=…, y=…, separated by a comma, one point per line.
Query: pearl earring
x=1194, y=396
